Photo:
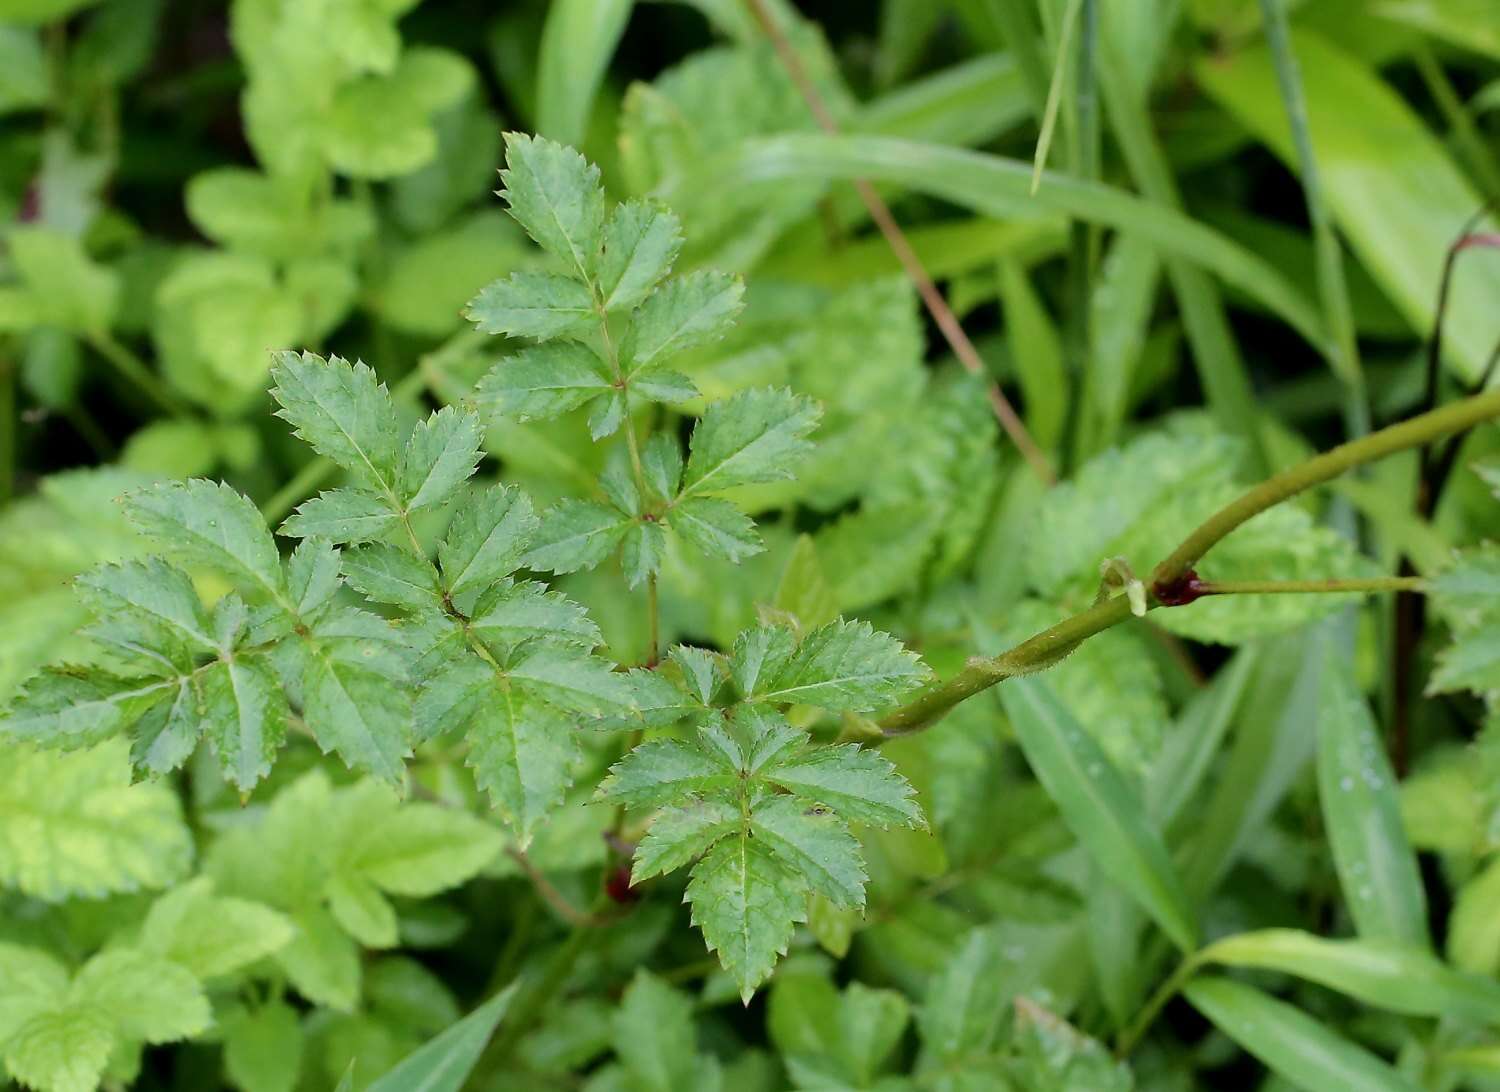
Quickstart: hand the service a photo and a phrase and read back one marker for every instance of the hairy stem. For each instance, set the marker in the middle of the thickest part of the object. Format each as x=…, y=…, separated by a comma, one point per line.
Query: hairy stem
x=1416, y=432
x=1049, y=646
x=1311, y=587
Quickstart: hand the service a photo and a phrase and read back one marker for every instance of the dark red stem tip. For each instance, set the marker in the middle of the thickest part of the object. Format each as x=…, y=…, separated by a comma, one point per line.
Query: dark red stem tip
x=1186, y=589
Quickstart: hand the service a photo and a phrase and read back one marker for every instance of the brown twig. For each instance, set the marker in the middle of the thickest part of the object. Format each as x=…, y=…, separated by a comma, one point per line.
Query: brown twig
x=555, y=898
x=880, y=213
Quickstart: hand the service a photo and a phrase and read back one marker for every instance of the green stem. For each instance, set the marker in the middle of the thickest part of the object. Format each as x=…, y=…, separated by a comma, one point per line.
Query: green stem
x=1047, y=647
x=637, y=470
x=1415, y=432
x=133, y=369
x=1152, y=1008
x=1311, y=587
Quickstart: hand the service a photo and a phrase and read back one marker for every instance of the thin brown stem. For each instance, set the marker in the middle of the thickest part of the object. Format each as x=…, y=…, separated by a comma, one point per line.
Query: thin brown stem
x=554, y=898
x=932, y=298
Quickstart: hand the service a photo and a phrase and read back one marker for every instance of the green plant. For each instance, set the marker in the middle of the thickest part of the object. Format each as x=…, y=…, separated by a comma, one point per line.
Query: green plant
x=680, y=590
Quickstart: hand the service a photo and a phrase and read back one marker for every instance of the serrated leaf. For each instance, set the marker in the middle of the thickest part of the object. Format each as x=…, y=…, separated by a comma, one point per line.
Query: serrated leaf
x=687, y=311
x=845, y=666
x=244, y=716
x=442, y=453
x=854, y=781
x=814, y=843
x=679, y=834
x=543, y=381
x=353, y=695
x=210, y=934
x=554, y=193
x=664, y=771
x=522, y=754
x=753, y=436
x=386, y=574
x=153, y=594
x=608, y=414
x=661, y=465
x=211, y=525
x=746, y=903
x=74, y=825
x=641, y=552
x=760, y=653
x=514, y=612
x=664, y=385
x=312, y=576
x=573, y=535
x=150, y=999
x=641, y=241
x=536, y=305
x=486, y=539
x=342, y=410
x=70, y=707
x=576, y=681
x=716, y=527
x=701, y=670
x=342, y=515
x=167, y=734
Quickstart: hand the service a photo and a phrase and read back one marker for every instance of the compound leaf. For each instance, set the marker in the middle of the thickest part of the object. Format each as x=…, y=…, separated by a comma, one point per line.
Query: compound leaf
x=842, y=666
x=487, y=539
x=746, y=902
x=859, y=784
x=342, y=515
x=554, y=193
x=753, y=436
x=342, y=410
x=209, y=524
x=537, y=305
x=544, y=381
x=641, y=241
x=442, y=453
x=687, y=311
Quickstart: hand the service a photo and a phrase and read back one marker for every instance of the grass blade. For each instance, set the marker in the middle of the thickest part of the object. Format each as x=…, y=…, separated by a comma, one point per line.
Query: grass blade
x=578, y=40
x=1390, y=184
x=443, y=1064
x=1394, y=977
x=1293, y=1044
x=1362, y=811
x=1097, y=805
